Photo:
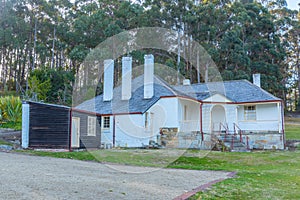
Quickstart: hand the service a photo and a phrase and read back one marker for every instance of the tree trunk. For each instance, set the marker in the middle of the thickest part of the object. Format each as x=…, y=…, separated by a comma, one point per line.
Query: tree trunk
x=53, y=49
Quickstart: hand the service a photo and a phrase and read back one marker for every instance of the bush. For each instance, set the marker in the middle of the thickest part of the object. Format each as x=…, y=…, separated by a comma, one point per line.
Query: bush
x=10, y=110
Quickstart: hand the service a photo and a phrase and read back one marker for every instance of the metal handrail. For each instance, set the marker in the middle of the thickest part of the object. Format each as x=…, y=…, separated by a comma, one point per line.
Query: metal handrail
x=222, y=125
x=239, y=131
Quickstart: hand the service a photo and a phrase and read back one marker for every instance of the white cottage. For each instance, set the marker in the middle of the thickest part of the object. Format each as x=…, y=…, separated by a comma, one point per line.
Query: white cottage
x=148, y=110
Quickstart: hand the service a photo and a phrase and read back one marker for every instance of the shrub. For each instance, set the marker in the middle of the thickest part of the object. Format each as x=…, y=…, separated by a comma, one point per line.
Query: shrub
x=10, y=109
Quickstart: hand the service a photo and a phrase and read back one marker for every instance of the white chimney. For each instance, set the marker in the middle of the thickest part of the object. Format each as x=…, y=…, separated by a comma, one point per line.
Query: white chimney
x=186, y=82
x=148, y=76
x=256, y=79
x=108, y=85
x=126, y=77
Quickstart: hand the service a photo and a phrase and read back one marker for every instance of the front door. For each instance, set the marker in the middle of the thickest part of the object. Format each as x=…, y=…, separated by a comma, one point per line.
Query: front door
x=217, y=117
x=75, y=132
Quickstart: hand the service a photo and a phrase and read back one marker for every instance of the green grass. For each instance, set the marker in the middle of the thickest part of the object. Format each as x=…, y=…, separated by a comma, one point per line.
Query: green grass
x=2, y=142
x=137, y=157
x=16, y=126
x=292, y=131
x=260, y=175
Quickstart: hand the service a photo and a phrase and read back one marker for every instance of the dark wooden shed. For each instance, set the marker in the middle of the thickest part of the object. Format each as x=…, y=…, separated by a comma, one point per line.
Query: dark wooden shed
x=55, y=126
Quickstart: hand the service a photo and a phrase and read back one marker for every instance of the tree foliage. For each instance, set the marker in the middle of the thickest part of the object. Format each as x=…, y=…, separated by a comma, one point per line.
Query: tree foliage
x=46, y=41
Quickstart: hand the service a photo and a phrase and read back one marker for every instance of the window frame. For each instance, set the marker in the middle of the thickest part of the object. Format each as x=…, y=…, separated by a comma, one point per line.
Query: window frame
x=105, y=119
x=91, y=126
x=250, y=114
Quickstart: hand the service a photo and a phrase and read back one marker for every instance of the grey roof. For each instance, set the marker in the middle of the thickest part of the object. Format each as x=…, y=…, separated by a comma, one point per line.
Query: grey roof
x=239, y=91
x=137, y=103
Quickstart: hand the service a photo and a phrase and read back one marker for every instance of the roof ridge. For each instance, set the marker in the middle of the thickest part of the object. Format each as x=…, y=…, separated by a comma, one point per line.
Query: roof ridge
x=227, y=81
x=168, y=86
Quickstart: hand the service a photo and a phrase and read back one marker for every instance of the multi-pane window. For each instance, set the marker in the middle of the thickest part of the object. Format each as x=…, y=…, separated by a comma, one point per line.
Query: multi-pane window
x=106, y=122
x=250, y=112
x=91, y=126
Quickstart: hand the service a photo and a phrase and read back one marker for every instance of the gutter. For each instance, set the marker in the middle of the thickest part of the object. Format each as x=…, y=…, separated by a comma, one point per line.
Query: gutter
x=114, y=131
x=70, y=130
x=282, y=124
x=201, y=129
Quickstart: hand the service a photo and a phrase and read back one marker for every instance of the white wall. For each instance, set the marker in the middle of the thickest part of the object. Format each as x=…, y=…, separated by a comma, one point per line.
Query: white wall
x=268, y=118
x=188, y=115
x=165, y=113
x=217, y=98
x=230, y=116
x=193, y=109
x=130, y=129
x=206, y=121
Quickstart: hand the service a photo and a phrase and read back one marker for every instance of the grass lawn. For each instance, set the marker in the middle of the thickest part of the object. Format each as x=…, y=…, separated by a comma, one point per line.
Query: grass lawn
x=261, y=175
x=2, y=142
x=292, y=131
x=292, y=128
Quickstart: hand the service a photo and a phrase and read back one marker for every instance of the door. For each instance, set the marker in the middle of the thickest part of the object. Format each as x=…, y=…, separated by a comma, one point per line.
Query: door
x=217, y=116
x=75, y=132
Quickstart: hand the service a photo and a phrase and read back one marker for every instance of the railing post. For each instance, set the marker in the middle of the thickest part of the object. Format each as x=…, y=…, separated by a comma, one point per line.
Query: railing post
x=234, y=128
x=232, y=139
x=241, y=138
x=247, y=142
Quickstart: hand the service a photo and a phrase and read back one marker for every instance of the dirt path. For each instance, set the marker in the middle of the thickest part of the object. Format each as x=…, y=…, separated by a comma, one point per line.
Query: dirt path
x=32, y=177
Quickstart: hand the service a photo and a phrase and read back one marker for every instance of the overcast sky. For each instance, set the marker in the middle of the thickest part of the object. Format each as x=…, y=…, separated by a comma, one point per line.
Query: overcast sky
x=293, y=4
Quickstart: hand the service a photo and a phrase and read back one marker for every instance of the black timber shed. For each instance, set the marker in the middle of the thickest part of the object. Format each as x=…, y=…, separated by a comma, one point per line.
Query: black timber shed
x=50, y=126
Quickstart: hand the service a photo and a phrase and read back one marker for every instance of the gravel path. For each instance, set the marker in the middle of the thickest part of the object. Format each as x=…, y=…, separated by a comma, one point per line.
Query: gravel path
x=33, y=177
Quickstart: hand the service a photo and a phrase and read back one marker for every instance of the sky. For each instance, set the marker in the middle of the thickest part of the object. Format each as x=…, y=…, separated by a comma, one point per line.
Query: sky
x=293, y=4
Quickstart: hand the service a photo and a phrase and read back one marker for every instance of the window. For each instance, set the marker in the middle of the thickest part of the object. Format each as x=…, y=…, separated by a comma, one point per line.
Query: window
x=250, y=112
x=106, y=122
x=91, y=126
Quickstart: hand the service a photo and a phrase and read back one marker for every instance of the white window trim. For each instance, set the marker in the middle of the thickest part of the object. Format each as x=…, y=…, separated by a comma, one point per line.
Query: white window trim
x=91, y=126
x=102, y=124
x=246, y=117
